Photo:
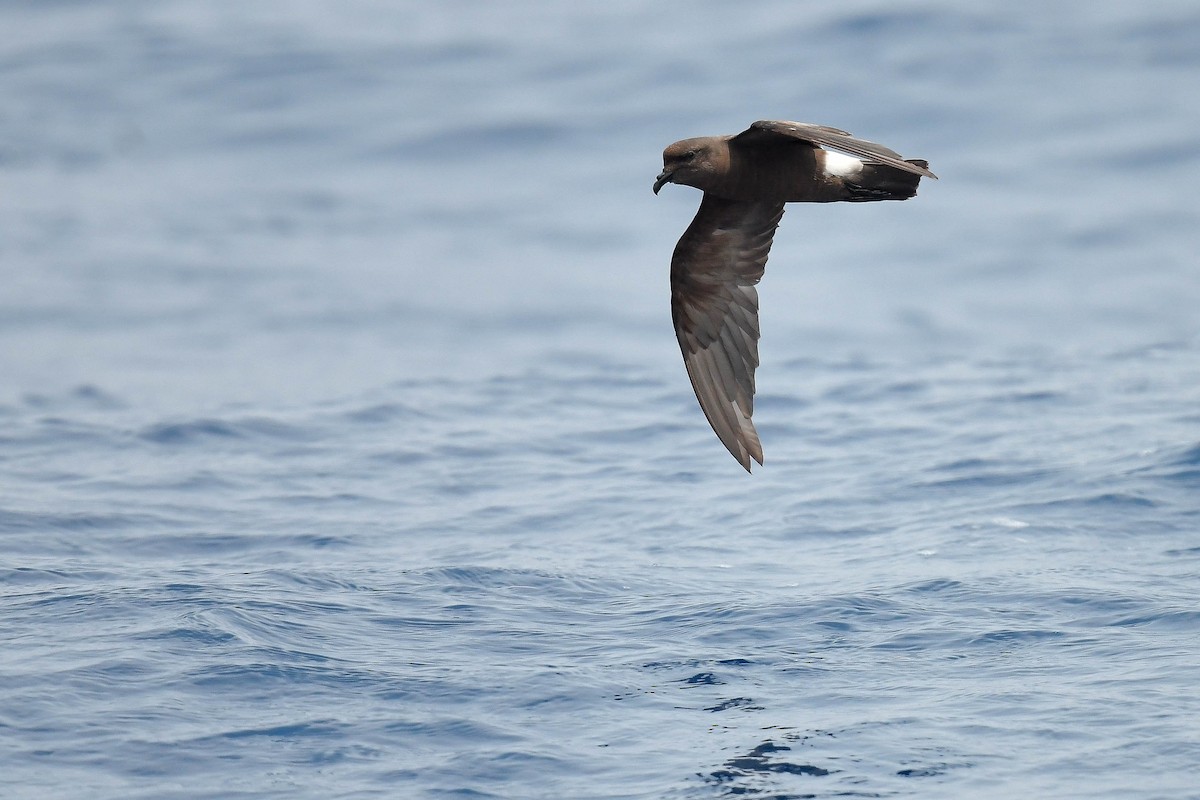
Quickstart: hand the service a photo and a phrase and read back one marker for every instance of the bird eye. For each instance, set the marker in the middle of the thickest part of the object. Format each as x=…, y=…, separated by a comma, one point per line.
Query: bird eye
x=689, y=155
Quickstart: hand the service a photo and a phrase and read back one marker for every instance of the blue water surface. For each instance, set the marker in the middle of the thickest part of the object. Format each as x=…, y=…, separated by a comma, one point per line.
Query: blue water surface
x=346, y=451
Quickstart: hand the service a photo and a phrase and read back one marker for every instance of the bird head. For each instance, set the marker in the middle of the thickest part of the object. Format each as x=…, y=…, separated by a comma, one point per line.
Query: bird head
x=687, y=163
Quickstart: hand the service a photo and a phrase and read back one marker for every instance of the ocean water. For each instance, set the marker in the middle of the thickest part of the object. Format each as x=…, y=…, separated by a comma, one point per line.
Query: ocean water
x=346, y=451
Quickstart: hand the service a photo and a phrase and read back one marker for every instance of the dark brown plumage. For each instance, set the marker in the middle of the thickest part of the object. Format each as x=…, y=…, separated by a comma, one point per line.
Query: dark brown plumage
x=746, y=180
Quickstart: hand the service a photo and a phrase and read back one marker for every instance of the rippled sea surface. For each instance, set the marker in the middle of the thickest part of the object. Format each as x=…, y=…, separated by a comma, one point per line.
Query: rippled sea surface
x=346, y=451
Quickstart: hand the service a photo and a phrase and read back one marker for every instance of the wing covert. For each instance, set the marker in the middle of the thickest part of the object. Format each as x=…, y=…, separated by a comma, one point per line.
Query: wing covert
x=824, y=136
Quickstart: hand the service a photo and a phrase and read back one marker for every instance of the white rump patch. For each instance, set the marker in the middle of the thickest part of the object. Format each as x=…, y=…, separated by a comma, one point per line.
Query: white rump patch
x=841, y=164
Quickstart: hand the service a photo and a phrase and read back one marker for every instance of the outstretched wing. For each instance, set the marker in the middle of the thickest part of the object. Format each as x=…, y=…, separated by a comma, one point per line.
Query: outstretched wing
x=714, y=306
x=823, y=136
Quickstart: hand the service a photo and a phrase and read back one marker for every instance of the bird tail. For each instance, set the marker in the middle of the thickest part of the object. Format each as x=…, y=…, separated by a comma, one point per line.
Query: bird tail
x=881, y=182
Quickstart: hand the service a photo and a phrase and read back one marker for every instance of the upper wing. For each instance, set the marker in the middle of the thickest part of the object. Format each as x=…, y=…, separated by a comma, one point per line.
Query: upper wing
x=822, y=136
x=714, y=306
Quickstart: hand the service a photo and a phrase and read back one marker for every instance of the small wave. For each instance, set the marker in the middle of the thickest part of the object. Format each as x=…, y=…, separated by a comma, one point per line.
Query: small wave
x=209, y=429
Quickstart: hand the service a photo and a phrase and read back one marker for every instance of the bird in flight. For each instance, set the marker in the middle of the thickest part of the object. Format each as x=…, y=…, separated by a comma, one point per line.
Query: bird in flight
x=746, y=179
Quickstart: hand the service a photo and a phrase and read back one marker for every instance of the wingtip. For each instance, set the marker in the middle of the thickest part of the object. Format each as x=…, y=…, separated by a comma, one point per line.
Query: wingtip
x=922, y=167
x=748, y=456
x=747, y=464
